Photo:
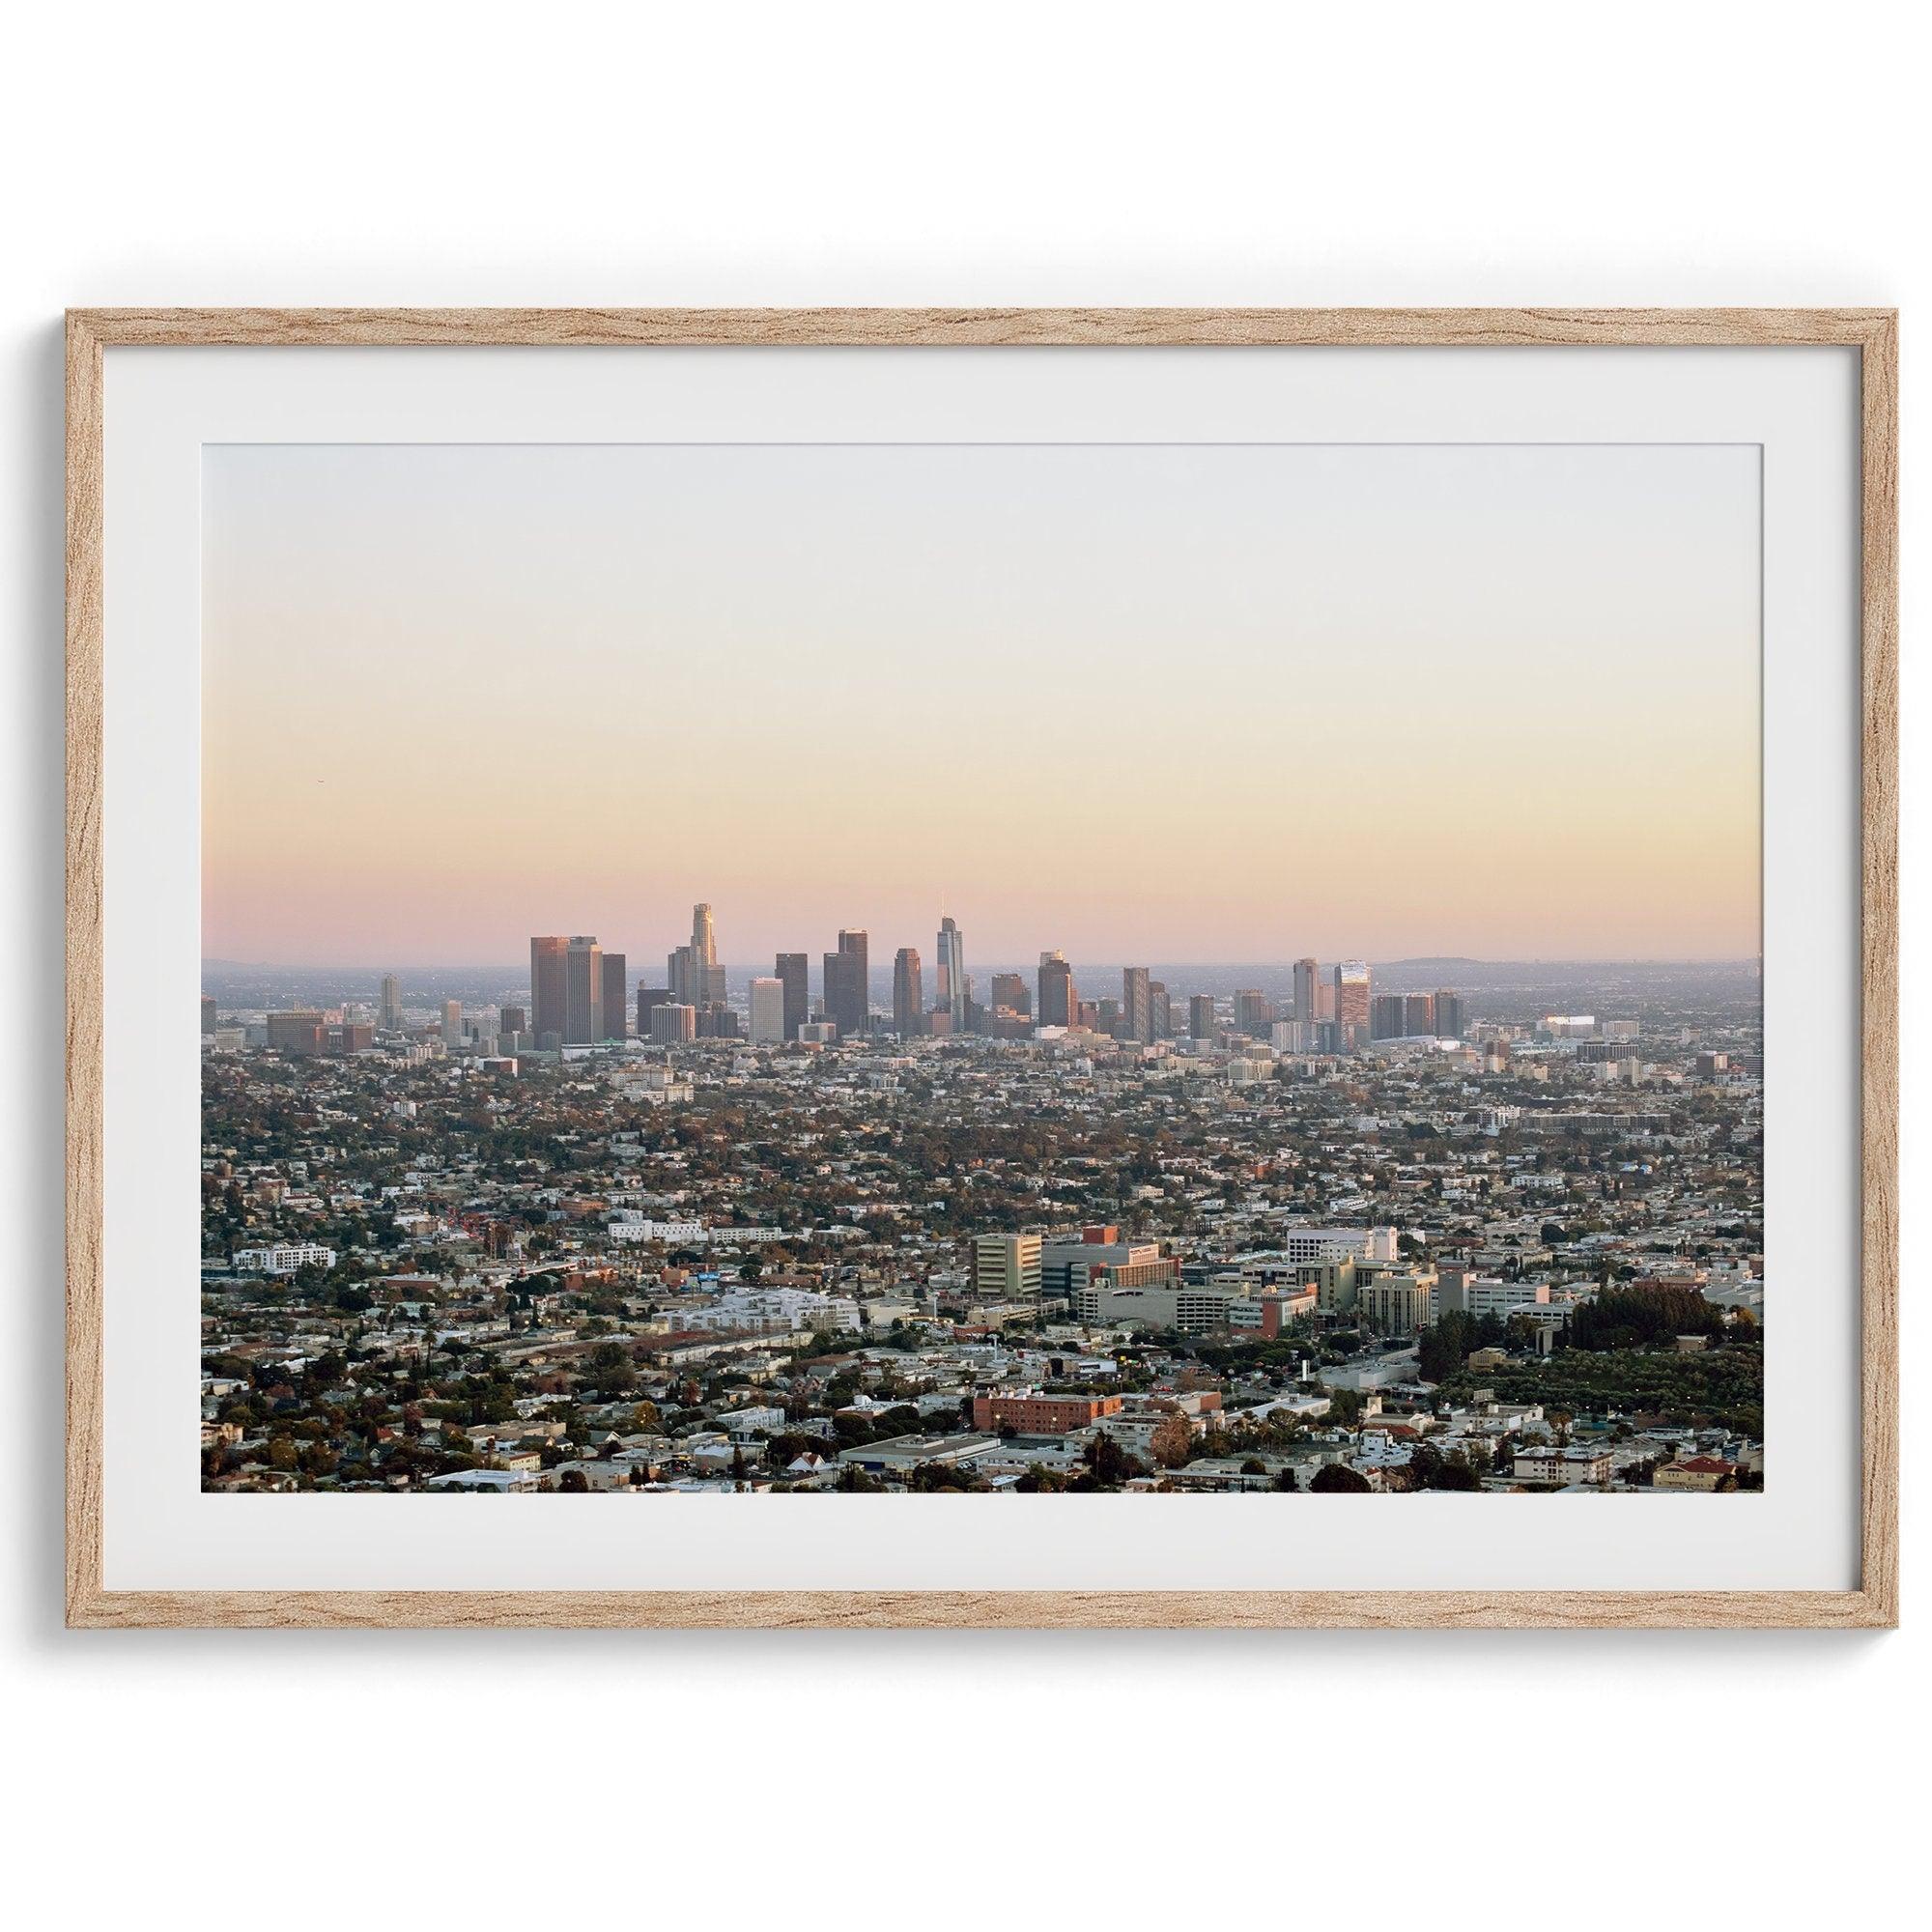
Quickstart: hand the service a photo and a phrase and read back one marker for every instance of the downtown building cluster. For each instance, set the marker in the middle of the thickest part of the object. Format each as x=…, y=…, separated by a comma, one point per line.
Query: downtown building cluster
x=579, y=997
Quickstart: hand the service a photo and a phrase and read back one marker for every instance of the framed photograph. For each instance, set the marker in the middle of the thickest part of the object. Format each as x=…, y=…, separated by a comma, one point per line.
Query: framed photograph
x=1006, y=968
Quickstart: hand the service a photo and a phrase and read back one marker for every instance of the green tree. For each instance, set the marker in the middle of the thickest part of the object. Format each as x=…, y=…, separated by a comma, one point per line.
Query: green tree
x=1337, y=1479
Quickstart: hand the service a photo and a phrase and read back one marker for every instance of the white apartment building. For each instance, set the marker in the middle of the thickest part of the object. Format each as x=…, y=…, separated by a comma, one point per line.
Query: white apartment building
x=283, y=1259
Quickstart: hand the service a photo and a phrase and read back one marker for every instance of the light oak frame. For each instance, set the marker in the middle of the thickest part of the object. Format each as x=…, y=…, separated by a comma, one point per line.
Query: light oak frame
x=1873, y=332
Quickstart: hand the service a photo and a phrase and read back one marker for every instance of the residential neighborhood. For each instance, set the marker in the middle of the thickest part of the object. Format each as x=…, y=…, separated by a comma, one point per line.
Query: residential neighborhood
x=444, y=1251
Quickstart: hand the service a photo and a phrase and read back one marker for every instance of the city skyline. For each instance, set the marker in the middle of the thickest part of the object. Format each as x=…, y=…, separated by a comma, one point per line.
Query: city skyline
x=1232, y=703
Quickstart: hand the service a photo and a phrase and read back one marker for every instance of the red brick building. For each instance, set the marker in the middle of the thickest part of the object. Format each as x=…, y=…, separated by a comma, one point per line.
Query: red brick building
x=1035, y=1414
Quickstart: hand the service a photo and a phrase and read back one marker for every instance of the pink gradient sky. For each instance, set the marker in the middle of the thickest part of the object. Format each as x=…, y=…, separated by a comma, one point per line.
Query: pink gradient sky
x=1137, y=703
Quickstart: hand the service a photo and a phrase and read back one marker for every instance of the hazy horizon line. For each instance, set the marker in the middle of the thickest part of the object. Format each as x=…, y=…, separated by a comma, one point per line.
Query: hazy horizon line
x=995, y=960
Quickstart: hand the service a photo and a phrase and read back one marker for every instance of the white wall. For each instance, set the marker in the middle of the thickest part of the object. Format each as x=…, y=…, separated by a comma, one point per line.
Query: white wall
x=1000, y=154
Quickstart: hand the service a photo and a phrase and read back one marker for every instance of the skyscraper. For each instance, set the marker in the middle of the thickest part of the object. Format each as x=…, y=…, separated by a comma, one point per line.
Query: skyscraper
x=392, y=1003
x=1059, y=998
x=1254, y=1012
x=1449, y=1016
x=208, y=1015
x=949, y=987
x=768, y=1012
x=649, y=1000
x=548, y=998
x=452, y=1023
x=1201, y=1016
x=709, y=976
x=613, y=1007
x=1160, y=1012
x=1011, y=990
x=848, y=984
x=684, y=977
x=1418, y=1014
x=1387, y=1016
x=909, y=990
x=583, y=991
x=1352, y=992
x=1307, y=976
x=793, y=971
x=1136, y=1004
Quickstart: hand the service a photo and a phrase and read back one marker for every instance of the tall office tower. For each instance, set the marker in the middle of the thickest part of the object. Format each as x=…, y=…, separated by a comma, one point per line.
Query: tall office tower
x=672, y=1024
x=1352, y=993
x=1449, y=1016
x=208, y=1013
x=452, y=1023
x=1011, y=991
x=392, y=1003
x=1307, y=977
x=649, y=999
x=1136, y=1004
x=909, y=991
x=791, y=971
x=583, y=991
x=684, y=977
x=1254, y=1012
x=1160, y=1012
x=1007, y=1267
x=513, y=1020
x=949, y=990
x=842, y=1003
x=613, y=1010
x=1201, y=1016
x=768, y=1012
x=549, y=999
x=1418, y=1014
x=849, y=1006
x=708, y=975
x=1059, y=997
x=1387, y=1016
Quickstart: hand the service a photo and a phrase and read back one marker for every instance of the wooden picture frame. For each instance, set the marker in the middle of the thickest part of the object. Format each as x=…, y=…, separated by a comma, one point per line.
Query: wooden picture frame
x=1871, y=332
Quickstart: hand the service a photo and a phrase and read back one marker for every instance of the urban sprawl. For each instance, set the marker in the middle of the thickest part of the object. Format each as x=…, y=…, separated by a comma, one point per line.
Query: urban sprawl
x=1339, y=1231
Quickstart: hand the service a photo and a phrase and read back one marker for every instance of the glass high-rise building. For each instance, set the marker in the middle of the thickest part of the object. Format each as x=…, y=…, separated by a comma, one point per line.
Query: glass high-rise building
x=1352, y=993
x=549, y=995
x=583, y=991
x=1201, y=1016
x=950, y=985
x=792, y=970
x=1307, y=977
x=1136, y=1004
x=848, y=984
x=908, y=992
x=1059, y=998
x=392, y=1003
x=1011, y=990
x=613, y=1008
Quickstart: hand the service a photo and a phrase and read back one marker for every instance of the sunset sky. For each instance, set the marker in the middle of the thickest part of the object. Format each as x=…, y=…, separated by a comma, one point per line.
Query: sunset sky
x=1148, y=702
